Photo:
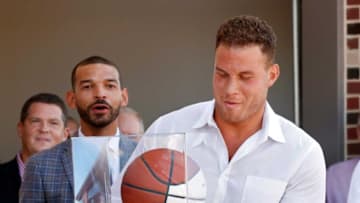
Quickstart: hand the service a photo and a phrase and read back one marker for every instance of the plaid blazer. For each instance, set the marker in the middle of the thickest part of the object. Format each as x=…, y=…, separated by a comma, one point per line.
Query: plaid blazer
x=49, y=174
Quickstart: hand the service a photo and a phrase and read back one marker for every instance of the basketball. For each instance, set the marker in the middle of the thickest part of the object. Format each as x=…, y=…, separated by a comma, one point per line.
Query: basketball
x=163, y=175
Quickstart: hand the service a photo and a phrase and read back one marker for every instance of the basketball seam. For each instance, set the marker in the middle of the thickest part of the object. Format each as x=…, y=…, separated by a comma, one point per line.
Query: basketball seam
x=170, y=174
x=152, y=172
x=160, y=176
x=147, y=165
x=161, y=193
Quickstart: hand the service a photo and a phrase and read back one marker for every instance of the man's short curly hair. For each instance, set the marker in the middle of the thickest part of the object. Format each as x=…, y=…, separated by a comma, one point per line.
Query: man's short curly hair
x=247, y=30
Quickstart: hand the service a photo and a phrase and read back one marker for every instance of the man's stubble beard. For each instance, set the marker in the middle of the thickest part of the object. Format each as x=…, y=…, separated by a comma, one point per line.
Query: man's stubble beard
x=99, y=121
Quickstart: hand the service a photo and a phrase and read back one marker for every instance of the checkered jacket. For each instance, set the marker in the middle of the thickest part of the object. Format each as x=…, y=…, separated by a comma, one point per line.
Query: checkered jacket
x=49, y=174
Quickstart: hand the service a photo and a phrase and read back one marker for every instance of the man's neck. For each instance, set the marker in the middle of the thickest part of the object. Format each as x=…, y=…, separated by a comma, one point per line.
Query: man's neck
x=235, y=134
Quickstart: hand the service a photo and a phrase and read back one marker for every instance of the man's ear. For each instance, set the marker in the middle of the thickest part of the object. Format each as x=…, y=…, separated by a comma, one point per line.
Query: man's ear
x=70, y=99
x=66, y=133
x=19, y=128
x=273, y=74
x=124, y=97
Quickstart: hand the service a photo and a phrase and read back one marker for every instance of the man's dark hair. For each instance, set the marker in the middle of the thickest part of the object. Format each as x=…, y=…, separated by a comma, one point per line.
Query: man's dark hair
x=47, y=98
x=247, y=30
x=93, y=60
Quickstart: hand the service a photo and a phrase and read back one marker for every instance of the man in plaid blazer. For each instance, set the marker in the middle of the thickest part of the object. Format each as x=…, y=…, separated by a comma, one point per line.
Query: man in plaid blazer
x=41, y=126
x=97, y=94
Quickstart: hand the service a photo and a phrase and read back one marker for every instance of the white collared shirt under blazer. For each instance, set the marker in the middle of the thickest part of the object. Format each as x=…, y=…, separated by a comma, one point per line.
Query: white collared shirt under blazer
x=278, y=163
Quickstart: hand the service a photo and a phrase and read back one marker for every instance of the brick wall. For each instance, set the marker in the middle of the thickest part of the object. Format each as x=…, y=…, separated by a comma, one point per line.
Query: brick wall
x=353, y=76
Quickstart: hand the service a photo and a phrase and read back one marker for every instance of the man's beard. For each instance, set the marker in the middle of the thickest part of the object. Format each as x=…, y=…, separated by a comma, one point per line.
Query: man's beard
x=98, y=121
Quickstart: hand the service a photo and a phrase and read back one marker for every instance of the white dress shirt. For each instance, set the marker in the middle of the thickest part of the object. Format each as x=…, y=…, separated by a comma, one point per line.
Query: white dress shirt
x=278, y=163
x=81, y=134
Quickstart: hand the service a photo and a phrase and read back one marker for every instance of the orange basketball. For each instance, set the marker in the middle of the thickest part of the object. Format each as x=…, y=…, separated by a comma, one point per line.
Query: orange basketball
x=158, y=176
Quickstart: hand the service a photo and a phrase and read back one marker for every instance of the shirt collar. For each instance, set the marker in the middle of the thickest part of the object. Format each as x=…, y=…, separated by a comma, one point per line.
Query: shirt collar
x=21, y=165
x=271, y=127
x=206, y=117
x=81, y=134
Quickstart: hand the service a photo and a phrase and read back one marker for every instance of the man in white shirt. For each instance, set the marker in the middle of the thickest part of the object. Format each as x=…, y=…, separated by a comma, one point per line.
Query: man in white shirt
x=247, y=152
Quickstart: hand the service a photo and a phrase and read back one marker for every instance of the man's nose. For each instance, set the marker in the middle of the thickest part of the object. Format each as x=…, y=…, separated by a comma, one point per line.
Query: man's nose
x=232, y=86
x=44, y=127
x=100, y=93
